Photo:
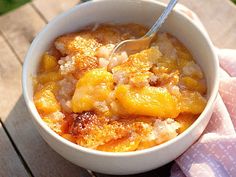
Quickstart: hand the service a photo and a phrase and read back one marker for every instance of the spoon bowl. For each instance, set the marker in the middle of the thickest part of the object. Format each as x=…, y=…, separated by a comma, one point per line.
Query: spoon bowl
x=132, y=46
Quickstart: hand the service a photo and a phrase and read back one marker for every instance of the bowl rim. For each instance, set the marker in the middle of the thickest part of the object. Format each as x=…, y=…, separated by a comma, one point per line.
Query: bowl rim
x=32, y=109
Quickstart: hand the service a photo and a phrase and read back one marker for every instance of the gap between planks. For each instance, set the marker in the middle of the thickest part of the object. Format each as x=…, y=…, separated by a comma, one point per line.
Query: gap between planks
x=16, y=150
x=10, y=163
x=11, y=47
x=39, y=12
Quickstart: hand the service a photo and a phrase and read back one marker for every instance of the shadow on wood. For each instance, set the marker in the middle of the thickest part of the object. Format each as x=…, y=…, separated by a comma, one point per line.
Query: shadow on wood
x=163, y=171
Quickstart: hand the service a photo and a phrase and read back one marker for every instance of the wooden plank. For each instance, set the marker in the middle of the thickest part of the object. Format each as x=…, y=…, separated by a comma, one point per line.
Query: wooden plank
x=10, y=164
x=10, y=73
x=41, y=159
x=20, y=27
x=49, y=9
x=218, y=17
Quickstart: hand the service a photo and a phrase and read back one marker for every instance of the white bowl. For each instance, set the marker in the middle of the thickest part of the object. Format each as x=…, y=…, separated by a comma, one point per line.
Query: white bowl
x=143, y=12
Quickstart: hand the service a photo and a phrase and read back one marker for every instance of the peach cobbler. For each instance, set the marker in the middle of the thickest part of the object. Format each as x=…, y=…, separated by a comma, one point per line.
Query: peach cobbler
x=125, y=103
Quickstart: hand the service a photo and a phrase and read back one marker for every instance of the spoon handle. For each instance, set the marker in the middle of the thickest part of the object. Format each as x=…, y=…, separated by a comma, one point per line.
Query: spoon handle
x=162, y=18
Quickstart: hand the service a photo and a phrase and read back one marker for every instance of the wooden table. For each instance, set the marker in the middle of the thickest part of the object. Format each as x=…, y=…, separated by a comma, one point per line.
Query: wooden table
x=22, y=150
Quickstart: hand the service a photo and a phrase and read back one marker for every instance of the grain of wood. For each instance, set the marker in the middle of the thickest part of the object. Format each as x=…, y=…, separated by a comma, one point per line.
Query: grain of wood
x=41, y=159
x=218, y=17
x=10, y=164
x=10, y=79
x=20, y=27
x=49, y=9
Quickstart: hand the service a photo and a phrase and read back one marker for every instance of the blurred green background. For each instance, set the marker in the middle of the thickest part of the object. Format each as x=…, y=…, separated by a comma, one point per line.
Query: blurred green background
x=7, y=5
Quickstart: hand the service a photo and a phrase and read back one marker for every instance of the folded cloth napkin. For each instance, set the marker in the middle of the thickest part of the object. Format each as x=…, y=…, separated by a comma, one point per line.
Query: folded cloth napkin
x=214, y=154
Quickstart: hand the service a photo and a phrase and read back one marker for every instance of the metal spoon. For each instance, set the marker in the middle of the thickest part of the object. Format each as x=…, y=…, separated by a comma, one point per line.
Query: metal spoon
x=132, y=46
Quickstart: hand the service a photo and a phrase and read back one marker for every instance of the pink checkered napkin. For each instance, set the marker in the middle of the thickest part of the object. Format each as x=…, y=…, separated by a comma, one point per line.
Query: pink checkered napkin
x=214, y=154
